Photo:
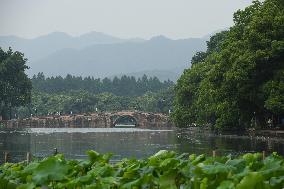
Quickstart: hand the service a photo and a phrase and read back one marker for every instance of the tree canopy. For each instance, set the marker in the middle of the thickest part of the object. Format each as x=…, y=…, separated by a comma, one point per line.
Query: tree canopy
x=239, y=81
x=15, y=86
x=123, y=86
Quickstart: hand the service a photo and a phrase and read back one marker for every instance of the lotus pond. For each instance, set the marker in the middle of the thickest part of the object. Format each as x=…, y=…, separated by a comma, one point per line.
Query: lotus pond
x=163, y=170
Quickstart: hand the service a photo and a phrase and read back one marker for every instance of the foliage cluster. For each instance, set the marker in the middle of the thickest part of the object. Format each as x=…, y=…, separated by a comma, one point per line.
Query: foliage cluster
x=83, y=95
x=84, y=102
x=164, y=170
x=123, y=86
x=239, y=81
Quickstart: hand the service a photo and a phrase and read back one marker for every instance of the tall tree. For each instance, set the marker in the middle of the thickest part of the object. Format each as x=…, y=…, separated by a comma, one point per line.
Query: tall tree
x=15, y=86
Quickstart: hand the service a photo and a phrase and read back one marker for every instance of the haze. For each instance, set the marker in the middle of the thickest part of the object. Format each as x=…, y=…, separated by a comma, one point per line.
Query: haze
x=123, y=18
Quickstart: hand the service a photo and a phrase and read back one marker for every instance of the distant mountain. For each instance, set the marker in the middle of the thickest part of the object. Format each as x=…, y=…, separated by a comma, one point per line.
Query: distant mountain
x=42, y=46
x=100, y=55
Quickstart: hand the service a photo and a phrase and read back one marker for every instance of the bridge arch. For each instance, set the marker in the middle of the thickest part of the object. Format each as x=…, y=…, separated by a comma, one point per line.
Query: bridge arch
x=125, y=121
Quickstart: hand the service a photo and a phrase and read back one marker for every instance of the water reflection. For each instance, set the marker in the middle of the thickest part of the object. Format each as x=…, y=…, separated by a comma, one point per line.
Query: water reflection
x=123, y=144
x=129, y=142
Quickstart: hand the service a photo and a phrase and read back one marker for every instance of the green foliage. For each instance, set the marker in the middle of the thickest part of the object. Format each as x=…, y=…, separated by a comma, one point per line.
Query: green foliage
x=124, y=86
x=165, y=170
x=84, y=102
x=240, y=76
x=15, y=86
x=84, y=95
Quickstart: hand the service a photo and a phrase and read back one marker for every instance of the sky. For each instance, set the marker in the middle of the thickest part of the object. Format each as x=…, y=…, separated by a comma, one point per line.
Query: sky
x=121, y=18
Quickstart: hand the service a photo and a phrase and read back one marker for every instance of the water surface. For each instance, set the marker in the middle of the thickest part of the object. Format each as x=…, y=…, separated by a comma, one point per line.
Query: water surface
x=128, y=142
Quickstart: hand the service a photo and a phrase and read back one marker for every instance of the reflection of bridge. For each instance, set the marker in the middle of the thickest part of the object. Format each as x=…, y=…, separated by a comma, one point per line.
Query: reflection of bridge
x=95, y=120
x=125, y=121
x=139, y=119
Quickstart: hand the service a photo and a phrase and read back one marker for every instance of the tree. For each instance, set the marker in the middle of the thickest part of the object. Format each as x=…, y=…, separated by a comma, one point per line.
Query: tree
x=15, y=86
x=240, y=76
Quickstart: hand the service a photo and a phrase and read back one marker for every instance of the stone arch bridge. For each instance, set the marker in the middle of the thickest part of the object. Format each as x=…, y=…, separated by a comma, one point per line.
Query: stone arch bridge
x=94, y=120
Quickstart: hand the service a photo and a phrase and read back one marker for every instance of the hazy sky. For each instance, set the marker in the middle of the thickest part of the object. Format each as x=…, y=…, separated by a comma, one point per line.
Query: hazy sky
x=121, y=18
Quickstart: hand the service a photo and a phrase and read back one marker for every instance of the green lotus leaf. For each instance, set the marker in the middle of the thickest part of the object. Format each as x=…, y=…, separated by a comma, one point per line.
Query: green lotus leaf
x=253, y=180
x=51, y=169
x=227, y=184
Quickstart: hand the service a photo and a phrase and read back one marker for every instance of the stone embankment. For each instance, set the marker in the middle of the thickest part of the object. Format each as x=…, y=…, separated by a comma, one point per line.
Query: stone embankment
x=93, y=120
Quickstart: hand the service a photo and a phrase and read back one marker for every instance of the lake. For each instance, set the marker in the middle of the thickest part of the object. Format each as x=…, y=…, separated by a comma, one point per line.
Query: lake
x=128, y=142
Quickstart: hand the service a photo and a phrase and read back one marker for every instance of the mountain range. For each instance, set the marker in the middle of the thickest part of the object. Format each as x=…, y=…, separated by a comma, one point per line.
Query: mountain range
x=102, y=55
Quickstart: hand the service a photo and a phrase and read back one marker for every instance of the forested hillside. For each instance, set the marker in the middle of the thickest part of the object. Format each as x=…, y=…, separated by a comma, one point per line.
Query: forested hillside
x=239, y=81
x=123, y=86
x=74, y=95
